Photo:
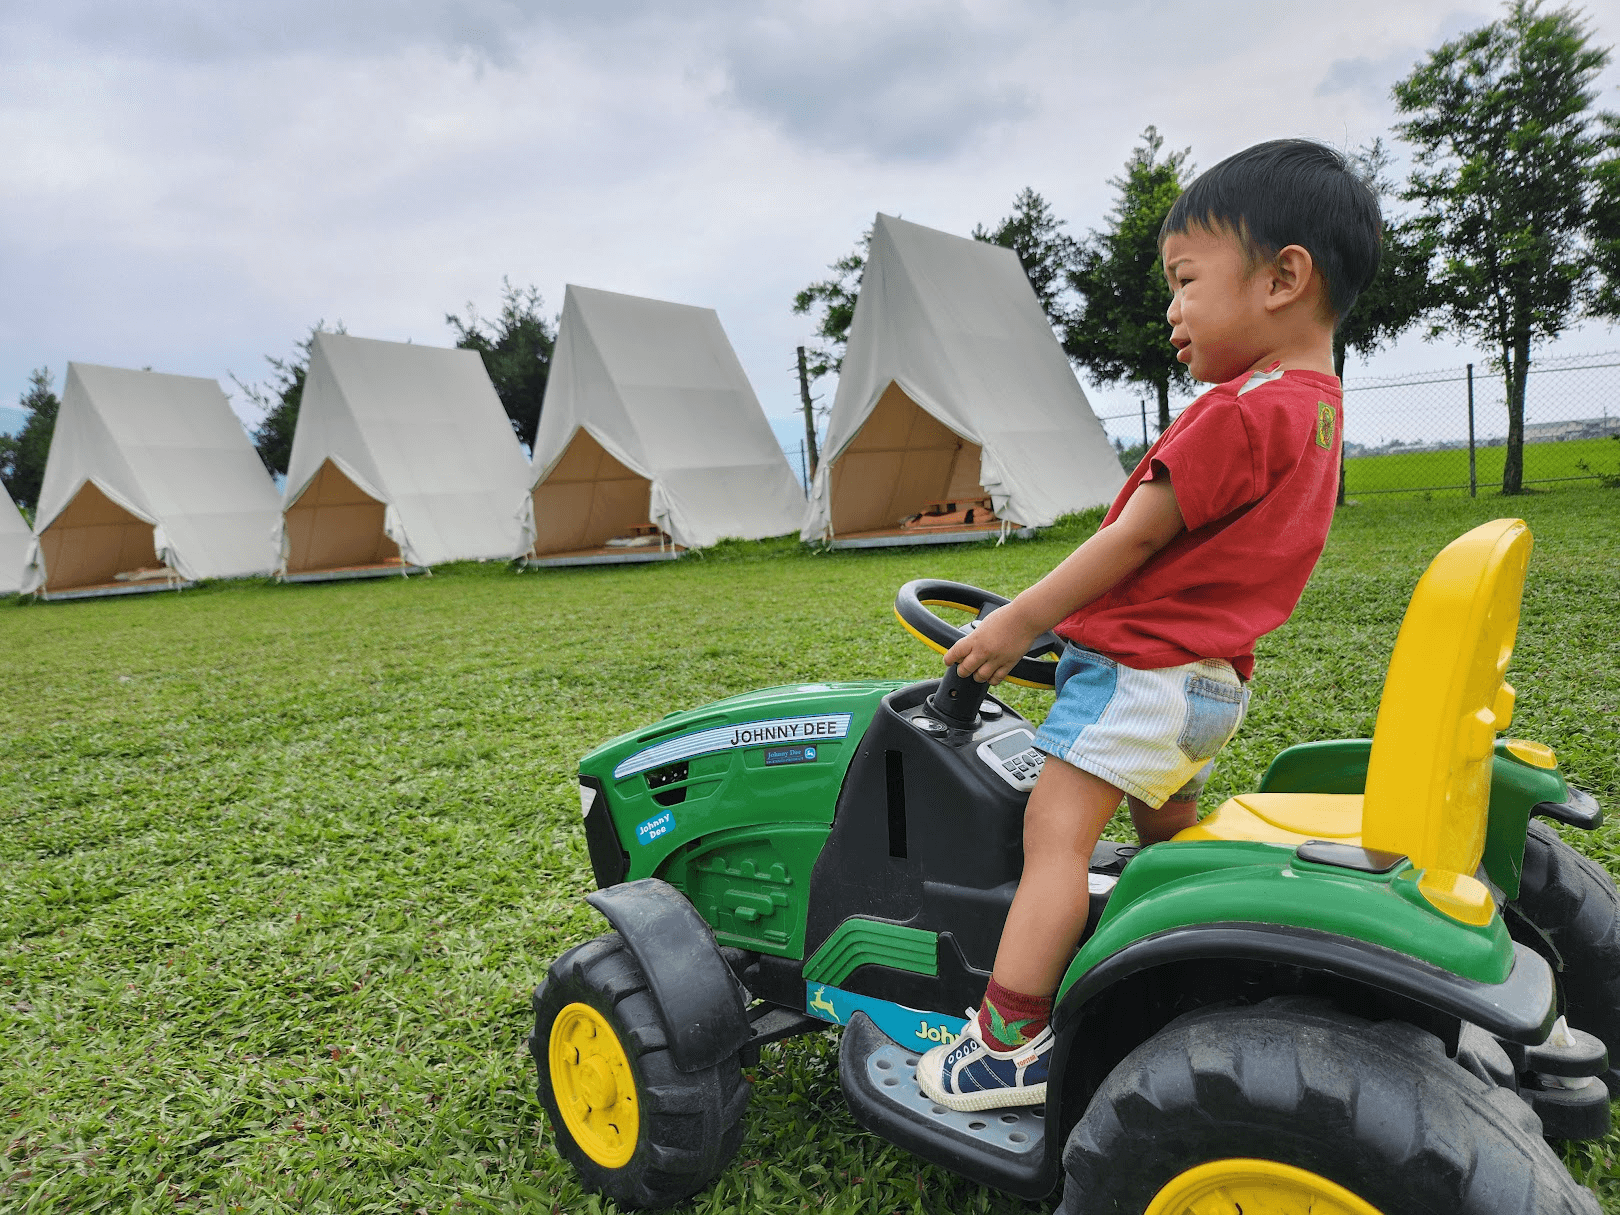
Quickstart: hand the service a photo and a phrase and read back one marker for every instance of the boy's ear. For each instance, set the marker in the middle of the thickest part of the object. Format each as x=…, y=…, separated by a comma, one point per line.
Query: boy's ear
x=1293, y=277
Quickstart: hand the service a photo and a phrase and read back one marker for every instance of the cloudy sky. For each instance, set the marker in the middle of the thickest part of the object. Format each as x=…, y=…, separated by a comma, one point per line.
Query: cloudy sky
x=190, y=184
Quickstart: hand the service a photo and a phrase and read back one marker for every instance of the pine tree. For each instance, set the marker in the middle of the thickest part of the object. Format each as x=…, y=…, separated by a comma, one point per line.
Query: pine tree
x=516, y=348
x=23, y=455
x=1118, y=332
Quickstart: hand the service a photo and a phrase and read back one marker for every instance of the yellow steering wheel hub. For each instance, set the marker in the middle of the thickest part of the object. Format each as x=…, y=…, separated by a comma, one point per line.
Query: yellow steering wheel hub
x=595, y=1091
x=1254, y=1187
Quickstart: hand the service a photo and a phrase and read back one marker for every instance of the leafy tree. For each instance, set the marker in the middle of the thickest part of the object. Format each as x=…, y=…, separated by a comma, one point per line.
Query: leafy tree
x=1508, y=160
x=833, y=302
x=516, y=347
x=1399, y=294
x=280, y=400
x=1118, y=331
x=1603, y=222
x=22, y=456
x=1046, y=253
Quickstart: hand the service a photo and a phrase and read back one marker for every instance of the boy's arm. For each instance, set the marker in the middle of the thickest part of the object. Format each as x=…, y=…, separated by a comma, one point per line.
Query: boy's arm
x=1150, y=520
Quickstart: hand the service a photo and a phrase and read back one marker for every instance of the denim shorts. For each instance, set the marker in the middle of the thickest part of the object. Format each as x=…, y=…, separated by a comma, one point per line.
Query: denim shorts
x=1152, y=733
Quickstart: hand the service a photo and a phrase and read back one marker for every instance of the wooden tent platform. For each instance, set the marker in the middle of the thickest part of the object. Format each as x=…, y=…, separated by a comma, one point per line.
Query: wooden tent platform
x=894, y=537
x=605, y=555
x=106, y=590
x=349, y=573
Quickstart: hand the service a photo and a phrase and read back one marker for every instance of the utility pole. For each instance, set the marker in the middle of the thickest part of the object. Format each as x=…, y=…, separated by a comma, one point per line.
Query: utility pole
x=809, y=418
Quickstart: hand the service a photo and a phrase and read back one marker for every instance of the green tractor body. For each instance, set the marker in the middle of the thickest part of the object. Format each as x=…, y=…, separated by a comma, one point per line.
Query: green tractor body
x=815, y=831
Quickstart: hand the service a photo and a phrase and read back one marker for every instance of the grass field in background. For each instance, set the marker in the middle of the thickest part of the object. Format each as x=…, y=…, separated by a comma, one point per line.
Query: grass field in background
x=1417, y=471
x=279, y=865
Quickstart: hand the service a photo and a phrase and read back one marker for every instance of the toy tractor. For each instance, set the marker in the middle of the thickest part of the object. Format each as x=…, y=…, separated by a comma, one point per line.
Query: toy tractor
x=1374, y=986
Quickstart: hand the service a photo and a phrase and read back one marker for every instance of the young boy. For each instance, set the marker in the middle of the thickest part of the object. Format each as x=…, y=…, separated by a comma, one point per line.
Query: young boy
x=1207, y=547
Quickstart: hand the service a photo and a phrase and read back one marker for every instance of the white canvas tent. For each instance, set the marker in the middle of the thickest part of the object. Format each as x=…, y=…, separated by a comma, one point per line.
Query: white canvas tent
x=953, y=388
x=15, y=541
x=403, y=458
x=650, y=426
x=150, y=481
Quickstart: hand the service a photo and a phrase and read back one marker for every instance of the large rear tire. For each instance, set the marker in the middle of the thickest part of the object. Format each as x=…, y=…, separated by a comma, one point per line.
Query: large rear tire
x=1294, y=1106
x=1569, y=912
x=634, y=1126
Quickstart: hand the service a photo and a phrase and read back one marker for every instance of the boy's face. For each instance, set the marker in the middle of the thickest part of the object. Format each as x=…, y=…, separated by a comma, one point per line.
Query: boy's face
x=1217, y=311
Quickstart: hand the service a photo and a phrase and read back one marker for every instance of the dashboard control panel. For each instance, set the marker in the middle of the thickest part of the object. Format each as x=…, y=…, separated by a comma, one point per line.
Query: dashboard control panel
x=1014, y=758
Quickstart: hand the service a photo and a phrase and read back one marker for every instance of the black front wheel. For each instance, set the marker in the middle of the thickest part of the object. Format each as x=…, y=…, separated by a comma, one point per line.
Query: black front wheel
x=634, y=1126
x=1569, y=912
x=1291, y=1105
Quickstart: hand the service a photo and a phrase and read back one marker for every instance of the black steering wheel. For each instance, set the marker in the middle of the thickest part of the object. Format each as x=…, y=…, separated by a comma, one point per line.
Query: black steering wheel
x=911, y=603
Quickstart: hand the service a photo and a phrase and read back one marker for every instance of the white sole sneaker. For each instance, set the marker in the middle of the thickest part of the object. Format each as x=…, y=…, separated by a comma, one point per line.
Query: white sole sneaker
x=931, y=1071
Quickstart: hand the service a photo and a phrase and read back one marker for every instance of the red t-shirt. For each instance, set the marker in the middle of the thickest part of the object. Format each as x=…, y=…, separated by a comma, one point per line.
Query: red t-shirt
x=1255, y=467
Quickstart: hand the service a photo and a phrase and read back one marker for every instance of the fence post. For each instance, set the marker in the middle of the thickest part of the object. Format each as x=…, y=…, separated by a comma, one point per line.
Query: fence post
x=1473, y=477
x=1144, y=424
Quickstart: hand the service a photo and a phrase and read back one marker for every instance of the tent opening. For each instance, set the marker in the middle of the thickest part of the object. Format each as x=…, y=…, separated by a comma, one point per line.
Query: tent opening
x=336, y=525
x=903, y=463
x=93, y=541
x=590, y=500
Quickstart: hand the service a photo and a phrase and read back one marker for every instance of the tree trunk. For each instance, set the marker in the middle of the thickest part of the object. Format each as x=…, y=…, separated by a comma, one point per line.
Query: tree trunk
x=1338, y=370
x=1164, y=404
x=809, y=420
x=1518, y=369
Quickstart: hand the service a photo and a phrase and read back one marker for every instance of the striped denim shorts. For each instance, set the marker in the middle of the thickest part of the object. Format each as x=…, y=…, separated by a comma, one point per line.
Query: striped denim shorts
x=1152, y=733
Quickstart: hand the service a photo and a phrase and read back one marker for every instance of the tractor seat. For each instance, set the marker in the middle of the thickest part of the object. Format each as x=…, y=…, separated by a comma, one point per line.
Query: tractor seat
x=1428, y=783
x=1283, y=818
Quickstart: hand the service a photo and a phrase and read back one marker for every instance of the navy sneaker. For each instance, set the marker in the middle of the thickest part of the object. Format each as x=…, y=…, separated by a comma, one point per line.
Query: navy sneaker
x=969, y=1074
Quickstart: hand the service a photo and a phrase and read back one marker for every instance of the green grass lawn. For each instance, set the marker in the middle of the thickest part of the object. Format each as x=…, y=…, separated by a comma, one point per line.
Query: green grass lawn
x=1424, y=470
x=279, y=866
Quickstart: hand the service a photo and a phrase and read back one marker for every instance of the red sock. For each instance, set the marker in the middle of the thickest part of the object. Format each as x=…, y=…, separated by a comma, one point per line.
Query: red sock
x=1008, y=1019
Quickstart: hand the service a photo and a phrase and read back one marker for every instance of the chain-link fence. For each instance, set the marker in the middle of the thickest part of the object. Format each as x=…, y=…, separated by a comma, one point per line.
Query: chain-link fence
x=1446, y=431
x=799, y=462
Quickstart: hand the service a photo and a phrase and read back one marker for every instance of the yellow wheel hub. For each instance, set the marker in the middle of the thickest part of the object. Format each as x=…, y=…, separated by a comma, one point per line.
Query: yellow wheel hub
x=596, y=1094
x=1254, y=1187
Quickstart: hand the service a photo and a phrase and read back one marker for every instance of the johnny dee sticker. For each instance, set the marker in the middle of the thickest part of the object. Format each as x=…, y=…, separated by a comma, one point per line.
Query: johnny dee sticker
x=778, y=733
x=650, y=830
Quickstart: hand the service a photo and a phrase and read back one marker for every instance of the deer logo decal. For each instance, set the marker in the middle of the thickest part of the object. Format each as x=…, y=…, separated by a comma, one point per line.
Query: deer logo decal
x=820, y=1001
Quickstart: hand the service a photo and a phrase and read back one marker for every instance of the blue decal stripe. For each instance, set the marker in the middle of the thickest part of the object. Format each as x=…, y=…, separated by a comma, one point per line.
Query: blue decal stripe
x=911, y=1028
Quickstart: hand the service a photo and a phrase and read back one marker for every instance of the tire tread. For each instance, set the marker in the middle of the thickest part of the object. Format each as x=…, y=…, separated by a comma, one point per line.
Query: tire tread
x=691, y=1122
x=1378, y=1108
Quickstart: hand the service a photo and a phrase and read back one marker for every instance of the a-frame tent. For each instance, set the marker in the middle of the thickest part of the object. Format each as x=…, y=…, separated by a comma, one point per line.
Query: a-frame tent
x=15, y=540
x=403, y=458
x=151, y=482
x=651, y=439
x=954, y=395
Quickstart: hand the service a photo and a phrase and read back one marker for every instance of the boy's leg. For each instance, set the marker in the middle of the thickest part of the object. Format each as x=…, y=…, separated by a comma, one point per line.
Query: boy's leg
x=1156, y=826
x=1067, y=811
x=1178, y=813
x=1001, y=1058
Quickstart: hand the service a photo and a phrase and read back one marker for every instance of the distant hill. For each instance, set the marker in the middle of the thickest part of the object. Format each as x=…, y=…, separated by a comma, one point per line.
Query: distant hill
x=11, y=419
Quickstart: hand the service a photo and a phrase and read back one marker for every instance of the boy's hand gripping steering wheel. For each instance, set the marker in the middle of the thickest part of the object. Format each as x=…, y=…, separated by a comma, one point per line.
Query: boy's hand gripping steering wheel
x=911, y=604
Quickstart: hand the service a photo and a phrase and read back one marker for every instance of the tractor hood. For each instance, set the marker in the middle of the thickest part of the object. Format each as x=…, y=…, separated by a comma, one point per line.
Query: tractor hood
x=756, y=776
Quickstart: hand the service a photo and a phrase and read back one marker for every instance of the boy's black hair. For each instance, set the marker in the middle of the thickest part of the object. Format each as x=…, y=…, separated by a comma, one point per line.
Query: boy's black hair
x=1291, y=192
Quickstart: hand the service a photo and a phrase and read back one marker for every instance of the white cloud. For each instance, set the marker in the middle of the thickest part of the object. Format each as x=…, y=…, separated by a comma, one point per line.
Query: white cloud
x=190, y=183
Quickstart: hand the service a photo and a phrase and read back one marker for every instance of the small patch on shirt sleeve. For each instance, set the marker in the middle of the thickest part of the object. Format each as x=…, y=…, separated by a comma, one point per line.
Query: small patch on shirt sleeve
x=1324, y=424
